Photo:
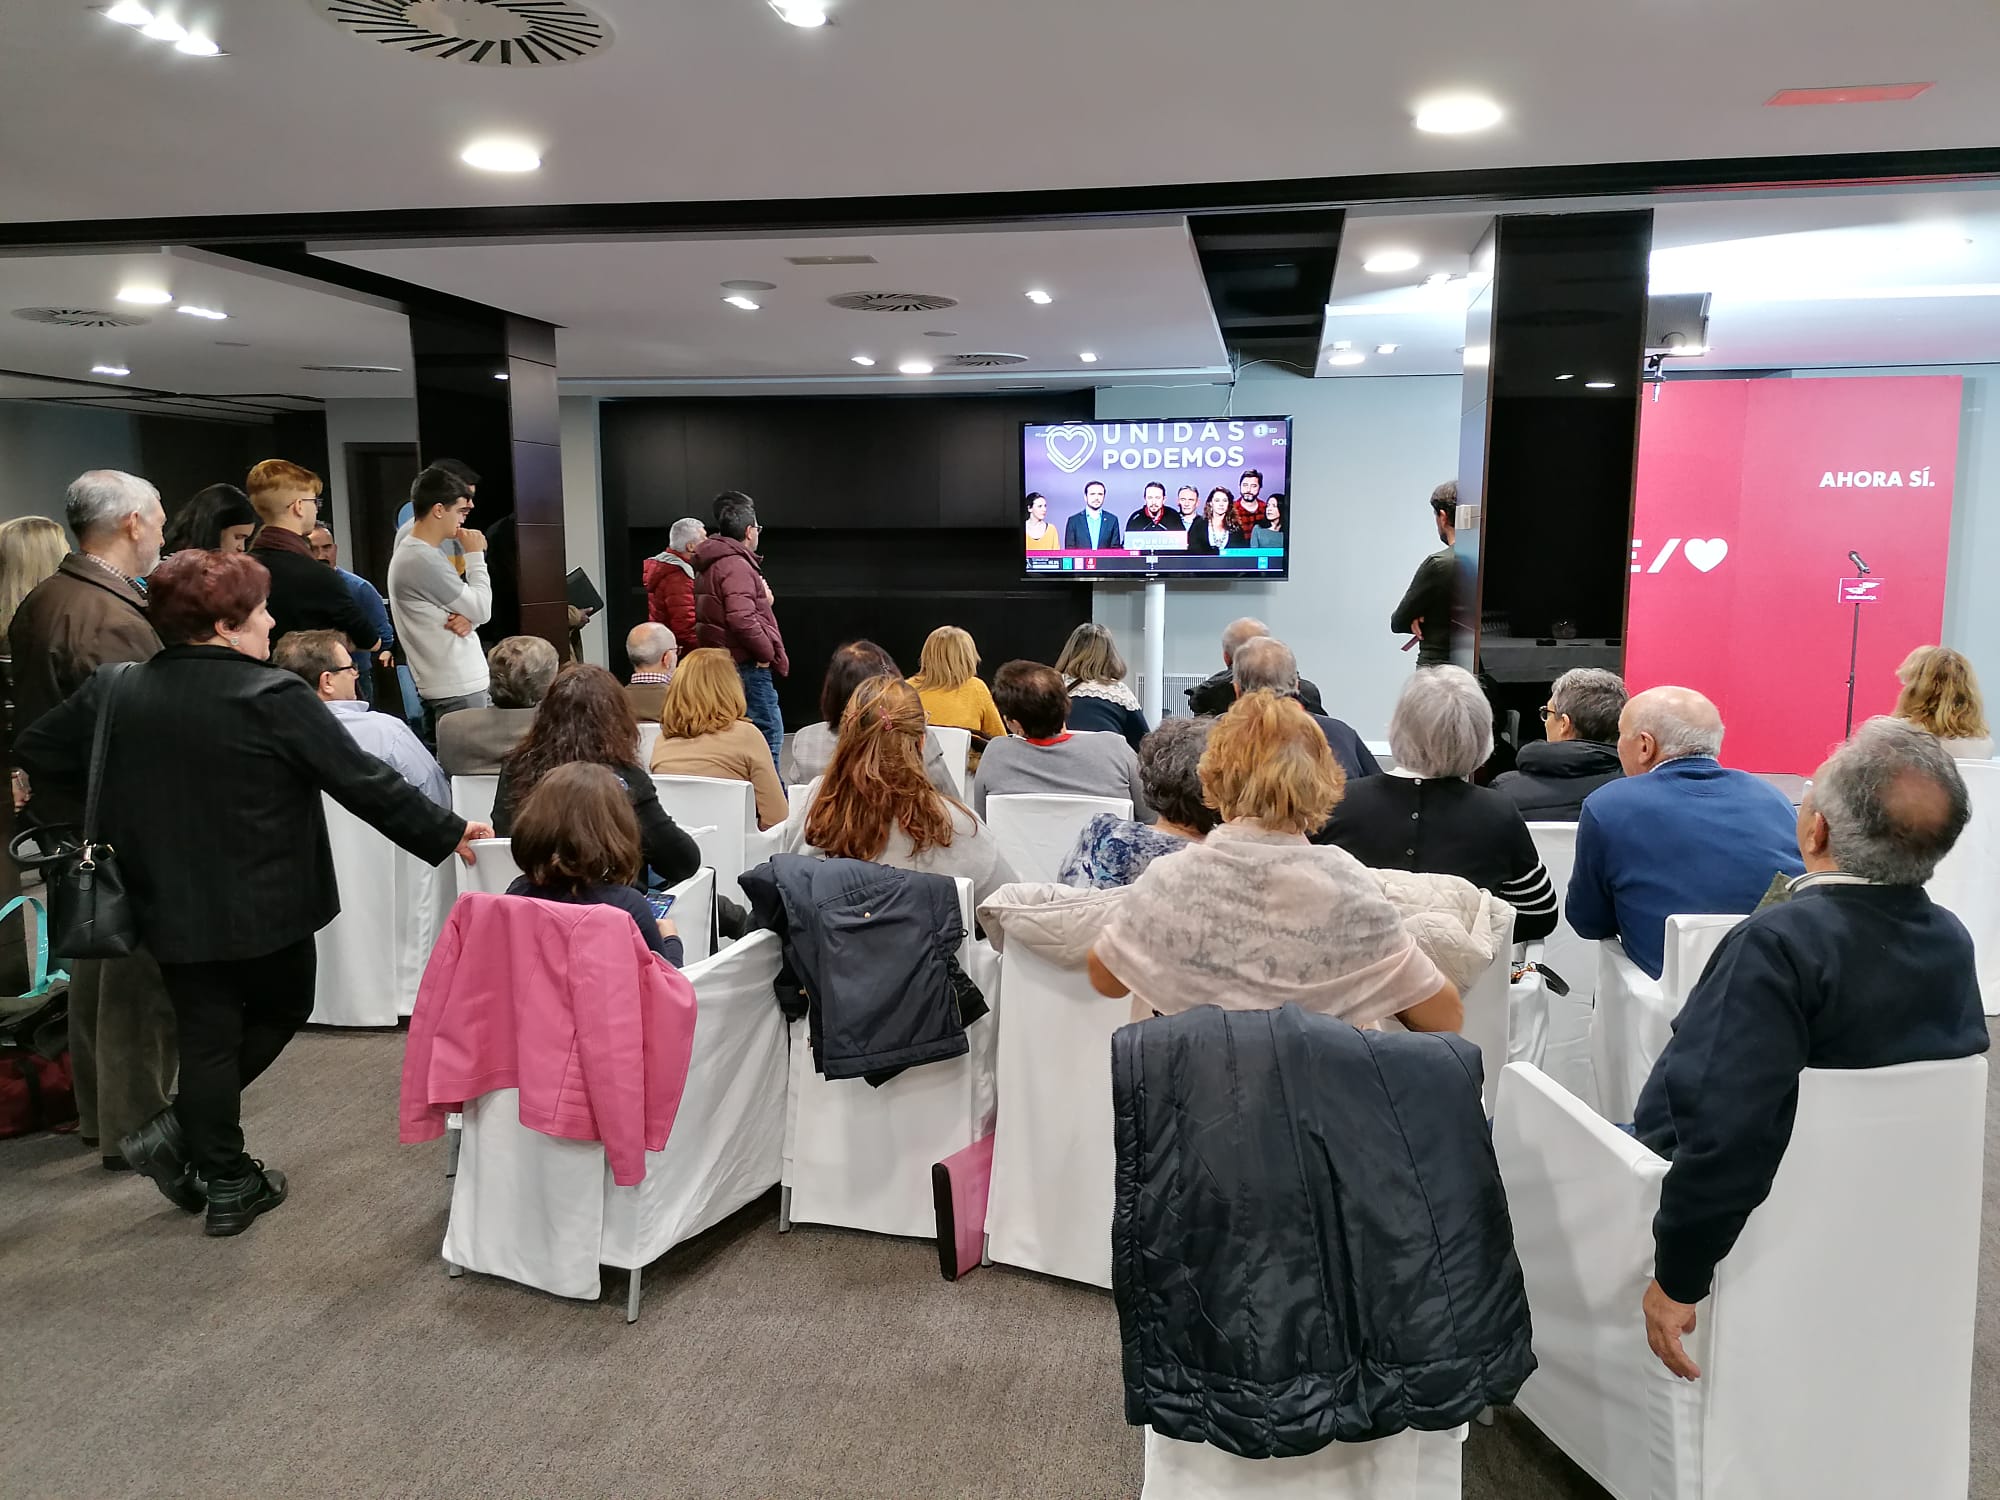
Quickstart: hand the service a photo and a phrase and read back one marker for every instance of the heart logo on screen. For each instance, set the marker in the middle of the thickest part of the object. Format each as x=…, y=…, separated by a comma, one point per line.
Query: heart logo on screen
x=1705, y=555
x=1070, y=447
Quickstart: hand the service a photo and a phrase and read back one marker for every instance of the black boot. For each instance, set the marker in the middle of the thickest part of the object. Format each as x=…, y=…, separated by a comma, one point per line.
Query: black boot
x=158, y=1149
x=235, y=1202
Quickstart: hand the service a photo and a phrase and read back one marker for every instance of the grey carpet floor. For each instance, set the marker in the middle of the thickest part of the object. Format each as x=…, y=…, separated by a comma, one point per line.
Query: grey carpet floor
x=326, y=1352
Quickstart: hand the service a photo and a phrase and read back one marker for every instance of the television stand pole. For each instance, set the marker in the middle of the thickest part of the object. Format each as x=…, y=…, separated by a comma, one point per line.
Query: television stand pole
x=1155, y=682
x=1853, y=652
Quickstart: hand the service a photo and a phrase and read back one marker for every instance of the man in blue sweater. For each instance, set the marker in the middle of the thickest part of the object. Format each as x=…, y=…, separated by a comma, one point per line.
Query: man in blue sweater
x=1857, y=968
x=1679, y=835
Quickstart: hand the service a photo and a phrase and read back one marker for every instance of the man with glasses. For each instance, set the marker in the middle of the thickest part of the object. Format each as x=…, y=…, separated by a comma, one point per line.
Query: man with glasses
x=425, y=592
x=1553, y=776
x=326, y=661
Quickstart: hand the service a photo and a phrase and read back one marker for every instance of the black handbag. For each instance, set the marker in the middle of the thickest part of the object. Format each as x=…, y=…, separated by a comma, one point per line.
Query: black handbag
x=90, y=915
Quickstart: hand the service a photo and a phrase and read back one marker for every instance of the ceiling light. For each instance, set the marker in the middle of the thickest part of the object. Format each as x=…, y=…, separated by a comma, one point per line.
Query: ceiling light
x=496, y=155
x=1387, y=348
x=1343, y=343
x=152, y=296
x=195, y=45
x=500, y=375
x=1087, y=357
x=1347, y=357
x=1040, y=298
x=1599, y=385
x=1565, y=377
x=127, y=13
x=915, y=367
x=1851, y=93
x=161, y=29
x=1477, y=355
x=201, y=312
x=1457, y=114
x=109, y=369
x=749, y=286
x=1387, y=262
x=1688, y=351
x=806, y=13
x=737, y=299
x=863, y=359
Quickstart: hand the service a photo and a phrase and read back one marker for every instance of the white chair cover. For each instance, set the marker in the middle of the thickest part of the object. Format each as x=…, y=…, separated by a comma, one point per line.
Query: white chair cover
x=721, y=817
x=544, y=1211
x=1488, y=1019
x=1566, y=1051
x=694, y=915
x=956, y=745
x=1635, y=1013
x=472, y=797
x=392, y=908
x=1036, y=833
x=649, y=736
x=1967, y=882
x=1049, y=1207
x=493, y=868
x=861, y=1157
x=1408, y=1466
x=1836, y=1346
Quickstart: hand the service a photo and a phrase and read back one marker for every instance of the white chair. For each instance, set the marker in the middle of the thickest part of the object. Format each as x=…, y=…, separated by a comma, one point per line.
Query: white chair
x=493, y=868
x=392, y=908
x=1408, y=1466
x=472, y=797
x=1384, y=756
x=1035, y=833
x=861, y=1157
x=649, y=736
x=694, y=915
x=545, y=1212
x=721, y=817
x=1488, y=1003
x=1836, y=1345
x=1049, y=1207
x=956, y=745
x=1635, y=1013
x=1967, y=882
x=1566, y=1047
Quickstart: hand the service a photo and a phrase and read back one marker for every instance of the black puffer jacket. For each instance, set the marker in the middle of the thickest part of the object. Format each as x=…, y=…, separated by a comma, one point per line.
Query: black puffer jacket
x=1550, y=779
x=1310, y=1242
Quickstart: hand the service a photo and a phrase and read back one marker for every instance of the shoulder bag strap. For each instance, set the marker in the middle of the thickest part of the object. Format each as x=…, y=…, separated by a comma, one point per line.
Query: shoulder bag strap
x=99, y=744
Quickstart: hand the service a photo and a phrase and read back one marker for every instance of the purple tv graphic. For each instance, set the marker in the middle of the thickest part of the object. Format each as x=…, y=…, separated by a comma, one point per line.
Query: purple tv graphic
x=1059, y=461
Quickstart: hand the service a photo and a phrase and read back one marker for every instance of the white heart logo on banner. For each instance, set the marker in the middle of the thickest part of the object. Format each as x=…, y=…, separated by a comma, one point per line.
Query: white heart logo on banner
x=1070, y=447
x=1706, y=554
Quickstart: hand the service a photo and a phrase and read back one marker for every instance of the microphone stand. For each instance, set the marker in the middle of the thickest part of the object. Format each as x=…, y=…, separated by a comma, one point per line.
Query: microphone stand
x=1853, y=651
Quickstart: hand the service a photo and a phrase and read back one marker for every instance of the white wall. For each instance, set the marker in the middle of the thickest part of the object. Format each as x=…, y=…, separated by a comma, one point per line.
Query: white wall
x=1366, y=455
x=44, y=446
x=583, y=514
x=362, y=420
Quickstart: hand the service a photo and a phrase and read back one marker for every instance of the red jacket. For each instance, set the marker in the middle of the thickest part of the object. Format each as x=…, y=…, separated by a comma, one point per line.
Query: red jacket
x=564, y=1003
x=730, y=607
x=669, y=580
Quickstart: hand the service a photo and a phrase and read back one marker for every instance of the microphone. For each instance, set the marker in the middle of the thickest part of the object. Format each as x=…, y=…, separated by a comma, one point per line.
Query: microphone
x=1855, y=558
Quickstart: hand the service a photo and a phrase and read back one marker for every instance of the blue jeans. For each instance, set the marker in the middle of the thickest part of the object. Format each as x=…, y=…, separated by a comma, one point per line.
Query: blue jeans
x=761, y=694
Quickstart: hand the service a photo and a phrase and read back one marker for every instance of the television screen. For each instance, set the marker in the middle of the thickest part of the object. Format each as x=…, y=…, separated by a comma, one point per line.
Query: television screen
x=1189, y=496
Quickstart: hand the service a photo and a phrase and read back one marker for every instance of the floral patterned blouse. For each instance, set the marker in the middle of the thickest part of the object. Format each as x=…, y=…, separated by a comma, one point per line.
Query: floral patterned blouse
x=1111, y=851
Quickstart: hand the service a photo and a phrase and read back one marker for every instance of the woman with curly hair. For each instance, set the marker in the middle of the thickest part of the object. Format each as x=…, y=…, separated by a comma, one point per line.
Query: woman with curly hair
x=1940, y=694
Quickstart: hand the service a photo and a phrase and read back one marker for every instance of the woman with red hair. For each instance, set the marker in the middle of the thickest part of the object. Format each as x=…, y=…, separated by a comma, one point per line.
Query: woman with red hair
x=213, y=774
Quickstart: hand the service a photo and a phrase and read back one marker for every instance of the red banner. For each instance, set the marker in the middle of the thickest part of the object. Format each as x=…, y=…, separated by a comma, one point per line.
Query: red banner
x=1750, y=496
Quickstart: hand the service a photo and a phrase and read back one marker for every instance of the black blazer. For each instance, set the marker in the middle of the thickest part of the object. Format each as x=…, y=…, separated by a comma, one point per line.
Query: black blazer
x=671, y=853
x=308, y=595
x=211, y=798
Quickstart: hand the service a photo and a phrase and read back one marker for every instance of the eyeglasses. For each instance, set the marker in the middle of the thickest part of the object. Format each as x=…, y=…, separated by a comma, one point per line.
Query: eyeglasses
x=353, y=667
x=1548, y=712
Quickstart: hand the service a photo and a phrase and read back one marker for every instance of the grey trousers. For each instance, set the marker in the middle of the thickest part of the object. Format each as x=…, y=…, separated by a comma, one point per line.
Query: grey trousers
x=121, y=1045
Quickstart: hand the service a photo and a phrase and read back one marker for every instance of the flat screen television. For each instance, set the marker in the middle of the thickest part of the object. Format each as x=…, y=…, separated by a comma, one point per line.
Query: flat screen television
x=1186, y=497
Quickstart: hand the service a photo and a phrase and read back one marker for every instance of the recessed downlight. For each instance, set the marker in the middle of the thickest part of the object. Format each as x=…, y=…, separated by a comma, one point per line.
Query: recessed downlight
x=1388, y=262
x=805, y=13
x=864, y=359
x=196, y=45
x=1600, y=385
x=1346, y=358
x=150, y=296
x=495, y=154
x=737, y=299
x=1039, y=297
x=749, y=286
x=1565, y=376
x=109, y=370
x=1458, y=114
x=915, y=367
x=1387, y=348
x=128, y=13
x=201, y=312
x=163, y=29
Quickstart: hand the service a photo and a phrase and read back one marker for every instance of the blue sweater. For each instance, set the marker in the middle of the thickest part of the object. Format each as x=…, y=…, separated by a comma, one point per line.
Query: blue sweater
x=1840, y=976
x=1685, y=838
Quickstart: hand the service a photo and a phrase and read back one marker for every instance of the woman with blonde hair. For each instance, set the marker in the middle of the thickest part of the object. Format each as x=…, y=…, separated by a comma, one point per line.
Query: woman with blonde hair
x=1302, y=924
x=1939, y=694
x=705, y=730
x=948, y=682
x=31, y=549
x=875, y=802
x=1094, y=676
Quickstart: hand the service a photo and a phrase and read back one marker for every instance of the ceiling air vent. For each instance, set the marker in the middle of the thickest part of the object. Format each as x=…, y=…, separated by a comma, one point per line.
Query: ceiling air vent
x=354, y=369
x=80, y=317
x=488, y=33
x=985, y=361
x=831, y=260
x=892, y=302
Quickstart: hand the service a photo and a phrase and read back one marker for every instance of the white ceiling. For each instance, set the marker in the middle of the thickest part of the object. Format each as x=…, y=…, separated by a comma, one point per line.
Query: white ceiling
x=720, y=100
x=1802, y=281
x=628, y=310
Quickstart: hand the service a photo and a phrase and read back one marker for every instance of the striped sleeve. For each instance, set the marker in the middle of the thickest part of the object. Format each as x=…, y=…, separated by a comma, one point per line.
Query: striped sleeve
x=1534, y=901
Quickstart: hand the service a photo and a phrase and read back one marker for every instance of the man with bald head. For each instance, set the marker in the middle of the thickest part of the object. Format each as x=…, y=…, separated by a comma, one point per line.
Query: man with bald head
x=1855, y=968
x=1213, y=695
x=650, y=649
x=1680, y=834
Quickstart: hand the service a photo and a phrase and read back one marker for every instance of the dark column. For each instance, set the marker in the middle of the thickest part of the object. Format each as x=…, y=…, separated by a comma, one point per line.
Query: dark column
x=509, y=430
x=1547, y=451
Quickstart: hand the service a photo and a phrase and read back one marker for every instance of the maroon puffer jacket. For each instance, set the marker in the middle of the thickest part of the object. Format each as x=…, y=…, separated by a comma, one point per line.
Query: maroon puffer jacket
x=730, y=610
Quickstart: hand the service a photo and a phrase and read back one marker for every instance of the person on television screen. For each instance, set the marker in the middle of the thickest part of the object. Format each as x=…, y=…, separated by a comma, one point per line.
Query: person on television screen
x=1270, y=532
x=1041, y=530
x=1092, y=529
x=1154, y=515
x=1189, y=502
x=1216, y=533
x=1249, y=504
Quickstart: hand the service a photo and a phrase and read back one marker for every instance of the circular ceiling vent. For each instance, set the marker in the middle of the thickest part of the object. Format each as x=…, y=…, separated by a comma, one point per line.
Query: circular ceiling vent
x=353, y=369
x=80, y=317
x=892, y=302
x=488, y=33
x=980, y=361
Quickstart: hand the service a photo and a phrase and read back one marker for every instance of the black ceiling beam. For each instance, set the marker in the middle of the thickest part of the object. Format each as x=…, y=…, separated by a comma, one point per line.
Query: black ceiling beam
x=764, y=216
x=1269, y=277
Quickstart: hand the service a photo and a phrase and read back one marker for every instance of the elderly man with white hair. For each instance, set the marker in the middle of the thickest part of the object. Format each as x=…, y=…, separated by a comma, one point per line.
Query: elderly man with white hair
x=1213, y=695
x=1427, y=816
x=1262, y=663
x=650, y=648
x=1856, y=968
x=1681, y=833
x=669, y=580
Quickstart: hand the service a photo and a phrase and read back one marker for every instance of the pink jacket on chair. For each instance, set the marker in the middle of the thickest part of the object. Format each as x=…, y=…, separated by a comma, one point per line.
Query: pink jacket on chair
x=565, y=1003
